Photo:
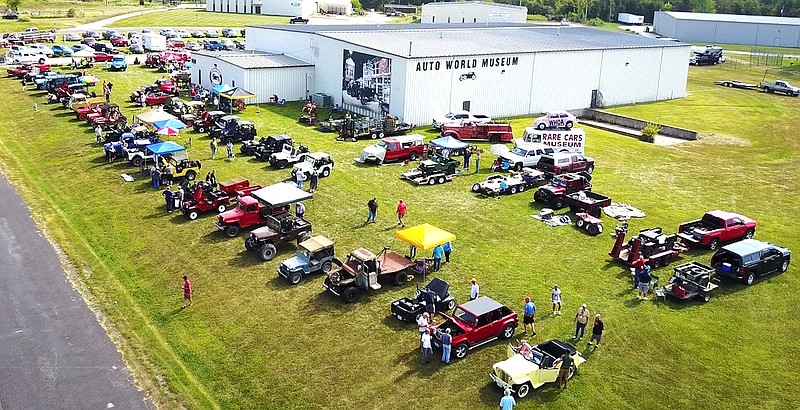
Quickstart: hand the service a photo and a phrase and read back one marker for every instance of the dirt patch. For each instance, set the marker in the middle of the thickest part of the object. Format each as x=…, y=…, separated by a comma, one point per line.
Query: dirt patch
x=719, y=139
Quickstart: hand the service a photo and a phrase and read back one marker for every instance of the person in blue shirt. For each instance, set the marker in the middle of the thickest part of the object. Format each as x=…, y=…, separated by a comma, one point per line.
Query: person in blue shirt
x=447, y=340
x=507, y=402
x=448, y=248
x=438, y=251
x=527, y=318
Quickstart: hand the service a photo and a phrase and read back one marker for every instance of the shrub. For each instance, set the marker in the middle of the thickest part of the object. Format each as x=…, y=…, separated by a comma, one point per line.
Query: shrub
x=596, y=22
x=71, y=13
x=24, y=19
x=649, y=132
x=141, y=2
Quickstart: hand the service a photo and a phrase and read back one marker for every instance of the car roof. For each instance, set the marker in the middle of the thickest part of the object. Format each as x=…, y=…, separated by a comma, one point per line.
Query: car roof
x=319, y=155
x=481, y=305
x=245, y=123
x=406, y=138
x=558, y=112
x=747, y=246
x=280, y=137
x=533, y=145
x=317, y=243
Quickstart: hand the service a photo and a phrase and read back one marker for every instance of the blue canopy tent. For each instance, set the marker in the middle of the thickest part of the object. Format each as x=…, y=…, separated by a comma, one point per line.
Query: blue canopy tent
x=171, y=123
x=217, y=89
x=449, y=143
x=164, y=148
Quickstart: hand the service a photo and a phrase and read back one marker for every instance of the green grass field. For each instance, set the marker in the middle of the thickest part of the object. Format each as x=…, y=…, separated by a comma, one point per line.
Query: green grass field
x=197, y=18
x=252, y=341
x=55, y=17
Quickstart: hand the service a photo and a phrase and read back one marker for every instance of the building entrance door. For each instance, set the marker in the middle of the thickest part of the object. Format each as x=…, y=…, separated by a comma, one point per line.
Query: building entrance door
x=465, y=105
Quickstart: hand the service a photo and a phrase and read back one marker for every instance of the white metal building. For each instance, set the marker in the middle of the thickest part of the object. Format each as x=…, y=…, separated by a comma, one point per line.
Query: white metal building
x=263, y=74
x=292, y=8
x=421, y=70
x=728, y=28
x=472, y=12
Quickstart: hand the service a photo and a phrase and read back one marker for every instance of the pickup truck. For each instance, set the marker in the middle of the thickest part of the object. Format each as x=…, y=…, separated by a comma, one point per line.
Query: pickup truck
x=33, y=35
x=779, y=86
x=494, y=132
x=561, y=162
x=459, y=116
x=554, y=193
x=715, y=227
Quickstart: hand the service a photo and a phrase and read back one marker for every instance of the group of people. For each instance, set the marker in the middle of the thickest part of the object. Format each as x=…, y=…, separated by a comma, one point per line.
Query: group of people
x=313, y=180
x=213, y=145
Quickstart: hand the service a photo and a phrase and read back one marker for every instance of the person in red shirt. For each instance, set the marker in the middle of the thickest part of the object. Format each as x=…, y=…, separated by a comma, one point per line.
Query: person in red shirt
x=187, y=291
x=401, y=212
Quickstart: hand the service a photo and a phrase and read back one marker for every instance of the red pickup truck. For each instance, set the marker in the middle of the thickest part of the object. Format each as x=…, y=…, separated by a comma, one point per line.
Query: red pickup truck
x=471, y=131
x=554, y=193
x=249, y=212
x=474, y=324
x=716, y=227
x=561, y=162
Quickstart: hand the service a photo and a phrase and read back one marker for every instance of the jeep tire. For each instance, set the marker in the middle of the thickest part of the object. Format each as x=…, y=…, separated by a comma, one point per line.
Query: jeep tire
x=460, y=351
x=326, y=172
x=221, y=208
x=326, y=267
x=714, y=244
x=137, y=161
x=412, y=156
x=231, y=231
x=295, y=278
x=350, y=295
x=192, y=215
x=191, y=175
x=558, y=203
x=267, y=252
x=568, y=125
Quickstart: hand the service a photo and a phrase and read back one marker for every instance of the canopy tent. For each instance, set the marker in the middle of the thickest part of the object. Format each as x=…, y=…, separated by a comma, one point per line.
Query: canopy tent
x=168, y=131
x=152, y=116
x=280, y=194
x=425, y=236
x=449, y=143
x=170, y=123
x=218, y=89
x=83, y=54
x=164, y=148
x=237, y=93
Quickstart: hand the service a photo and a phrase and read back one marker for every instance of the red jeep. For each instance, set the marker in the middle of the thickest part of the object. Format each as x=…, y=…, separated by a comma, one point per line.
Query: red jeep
x=716, y=227
x=166, y=85
x=475, y=323
x=254, y=210
x=204, y=198
x=553, y=193
x=152, y=60
x=470, y=131
x=561, y=162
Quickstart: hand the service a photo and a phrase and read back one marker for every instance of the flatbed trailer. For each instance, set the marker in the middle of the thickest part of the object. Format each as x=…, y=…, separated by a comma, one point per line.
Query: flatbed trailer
x=692, y=280
x=419, y=178
x=589, y=202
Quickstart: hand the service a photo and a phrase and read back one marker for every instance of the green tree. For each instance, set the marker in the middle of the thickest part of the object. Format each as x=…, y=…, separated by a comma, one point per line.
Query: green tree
x=13, y=4
x=702, y=6
x=356, y=4
x=578, y=7
x=666, y=7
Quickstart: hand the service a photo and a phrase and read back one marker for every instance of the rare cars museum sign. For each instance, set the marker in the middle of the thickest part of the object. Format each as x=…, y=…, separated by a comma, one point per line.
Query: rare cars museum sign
x=458, y=64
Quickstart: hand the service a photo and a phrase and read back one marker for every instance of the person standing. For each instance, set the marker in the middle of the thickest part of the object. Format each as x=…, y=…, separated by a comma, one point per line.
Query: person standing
x=507, y=402
x=168, y=198
x=154, y=178
x=98, y=133
x=143, y=99
x=427, y=351
x=477, y=161
x=229, y=147
x=475, y=290
x=597, y=331
x=438, y=251
x=643, y=278
x=187, y=291
x=23, y=85
x=555, y=295
x=467, y=156
x=300, y=177
x=448, y=249
x=527, y=318
x=313, y=181
x=402, y=210
x=563, y=371
x=372, y=207
x=447, y=341
x=422, y=323
x=581, y=319
x=213, y=146
x=300, y=210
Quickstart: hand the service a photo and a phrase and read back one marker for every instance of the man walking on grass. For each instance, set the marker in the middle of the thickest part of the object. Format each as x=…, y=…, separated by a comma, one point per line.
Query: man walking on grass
x=402, y=210
x=372, y=206
x=187, y=291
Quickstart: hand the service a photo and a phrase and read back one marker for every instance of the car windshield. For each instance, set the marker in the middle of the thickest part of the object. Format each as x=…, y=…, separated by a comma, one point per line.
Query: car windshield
x=309, y=159
x=449, y=115
x=240, y=207
x=464, y=316
x=382, y=144
x=519, y=151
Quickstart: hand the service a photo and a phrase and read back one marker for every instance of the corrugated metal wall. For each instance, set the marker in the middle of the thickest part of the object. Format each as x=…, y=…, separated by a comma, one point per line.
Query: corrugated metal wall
x=294, y=44
x=720, y=32
x=564, y=80
x=230, y=73
x=457, y=13
x=288, y=83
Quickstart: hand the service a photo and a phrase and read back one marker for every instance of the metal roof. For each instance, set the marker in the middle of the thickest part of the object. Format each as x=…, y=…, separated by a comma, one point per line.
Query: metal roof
x=255, y=59
x=733, y=18
x=431, y=40
x=473, y=3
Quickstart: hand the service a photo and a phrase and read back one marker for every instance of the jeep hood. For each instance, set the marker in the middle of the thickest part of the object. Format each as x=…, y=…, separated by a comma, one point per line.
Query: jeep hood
x=373, y=151
x=296, y=262
x=553, y=189
x=516, y=366
x=230, y=216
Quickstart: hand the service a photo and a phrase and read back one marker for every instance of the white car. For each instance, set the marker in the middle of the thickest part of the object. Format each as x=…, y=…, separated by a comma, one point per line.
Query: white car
x=183, y=33
x=166, y=31
x=40, y=49
x=24, y=57
x=193, y=46
x=72, y=37
x=523, y=155
x=555, y=119
x=212, y=34
x=459, y=116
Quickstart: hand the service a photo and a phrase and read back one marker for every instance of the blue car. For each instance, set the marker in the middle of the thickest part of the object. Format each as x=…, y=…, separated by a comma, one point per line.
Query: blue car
x=213, y=45
x=59, y=50
x=118, y=63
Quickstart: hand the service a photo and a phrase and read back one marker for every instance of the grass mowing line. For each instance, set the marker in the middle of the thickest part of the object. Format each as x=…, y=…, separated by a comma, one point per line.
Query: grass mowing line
x=117, y=333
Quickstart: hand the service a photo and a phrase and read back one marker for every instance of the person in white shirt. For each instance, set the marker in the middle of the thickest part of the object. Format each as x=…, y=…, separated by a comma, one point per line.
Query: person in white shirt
x=475, y=290
x=422, y=323
x=556, y=296
x=427, y=351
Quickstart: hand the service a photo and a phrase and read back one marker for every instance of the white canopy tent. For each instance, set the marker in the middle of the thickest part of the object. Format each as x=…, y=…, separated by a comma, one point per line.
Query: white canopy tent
x=280, y=194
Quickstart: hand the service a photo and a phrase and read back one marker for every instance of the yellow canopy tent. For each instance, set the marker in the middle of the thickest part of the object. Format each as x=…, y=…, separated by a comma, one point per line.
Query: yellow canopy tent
x=237, y=94
x=425, y=236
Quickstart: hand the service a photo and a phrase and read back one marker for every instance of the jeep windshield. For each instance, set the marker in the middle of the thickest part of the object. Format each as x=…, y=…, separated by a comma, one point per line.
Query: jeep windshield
x=558, y=181
x=464, y=316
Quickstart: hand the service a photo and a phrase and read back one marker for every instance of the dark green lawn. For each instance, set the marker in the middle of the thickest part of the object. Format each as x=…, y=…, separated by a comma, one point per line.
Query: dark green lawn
x=252, y=341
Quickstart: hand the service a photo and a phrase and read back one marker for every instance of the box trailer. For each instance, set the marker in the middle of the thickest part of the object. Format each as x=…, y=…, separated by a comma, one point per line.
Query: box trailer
x=154, y=42
x=630, y=18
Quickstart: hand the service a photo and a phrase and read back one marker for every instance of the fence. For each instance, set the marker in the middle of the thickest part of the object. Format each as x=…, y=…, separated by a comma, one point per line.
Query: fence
x=762, y=57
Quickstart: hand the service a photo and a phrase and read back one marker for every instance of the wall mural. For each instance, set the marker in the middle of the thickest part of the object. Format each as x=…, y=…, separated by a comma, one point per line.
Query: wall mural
x=366, y=81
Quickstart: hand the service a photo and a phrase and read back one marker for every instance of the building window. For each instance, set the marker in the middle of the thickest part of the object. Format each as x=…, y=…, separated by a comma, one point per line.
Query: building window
x=433, y=19
x=475, y=20
x=462, y=19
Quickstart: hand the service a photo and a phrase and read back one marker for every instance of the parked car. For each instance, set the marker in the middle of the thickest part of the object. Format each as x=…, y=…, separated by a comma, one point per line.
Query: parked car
x=227, y=44
x=748, y=258
x=72, y=37
x=362, y=271
x=136, y=49
x=213, y=45
x=166, y=31
x=530, y=367
x=239, y=44
x=198, y=34
x=193, y=46
x=562, y=162
x=780, y=86
x=108, y=34
x=280, y=229
x=132, y=34
x=313, y=255
x=79, y=47
x=555, y=119
x=553, y=194
x=458, y=116
x=389, y=149
x=212, y=34
x=229, y=32
x=319, y=161
x=89, y=41
x=118, y=63
x=104, y=47
x=183, y=33
x=102, y=57
x=59, y=50
x=474, y=324
x=176, y=43
x=10, y=16
x=716, y=227
x=40, y=49
x=92, y=34
x=119, y=41
x=523, y=155
x=494, y=132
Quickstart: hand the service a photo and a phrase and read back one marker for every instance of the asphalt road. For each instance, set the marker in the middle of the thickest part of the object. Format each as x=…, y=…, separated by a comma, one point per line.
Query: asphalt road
x=53, y=352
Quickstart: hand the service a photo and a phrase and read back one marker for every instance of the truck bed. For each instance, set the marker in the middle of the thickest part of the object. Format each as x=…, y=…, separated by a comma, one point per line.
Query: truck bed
x=393, y=262
x=586, y=199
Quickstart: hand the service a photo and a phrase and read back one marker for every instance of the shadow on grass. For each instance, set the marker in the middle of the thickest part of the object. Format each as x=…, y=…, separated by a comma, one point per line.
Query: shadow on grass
x=395, y=324
x=64, y=114
x=245, y=258
x=217, y=236
x=413, y=358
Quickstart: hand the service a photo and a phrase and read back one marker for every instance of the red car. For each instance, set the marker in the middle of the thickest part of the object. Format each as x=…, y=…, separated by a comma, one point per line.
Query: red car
x=716, y=227
x=166, y=85
x=102, y=57
x=176, y=43
x=157, y=98
x=152, y=60
x=476, y=323
x=120, y=41
x=470, y=131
